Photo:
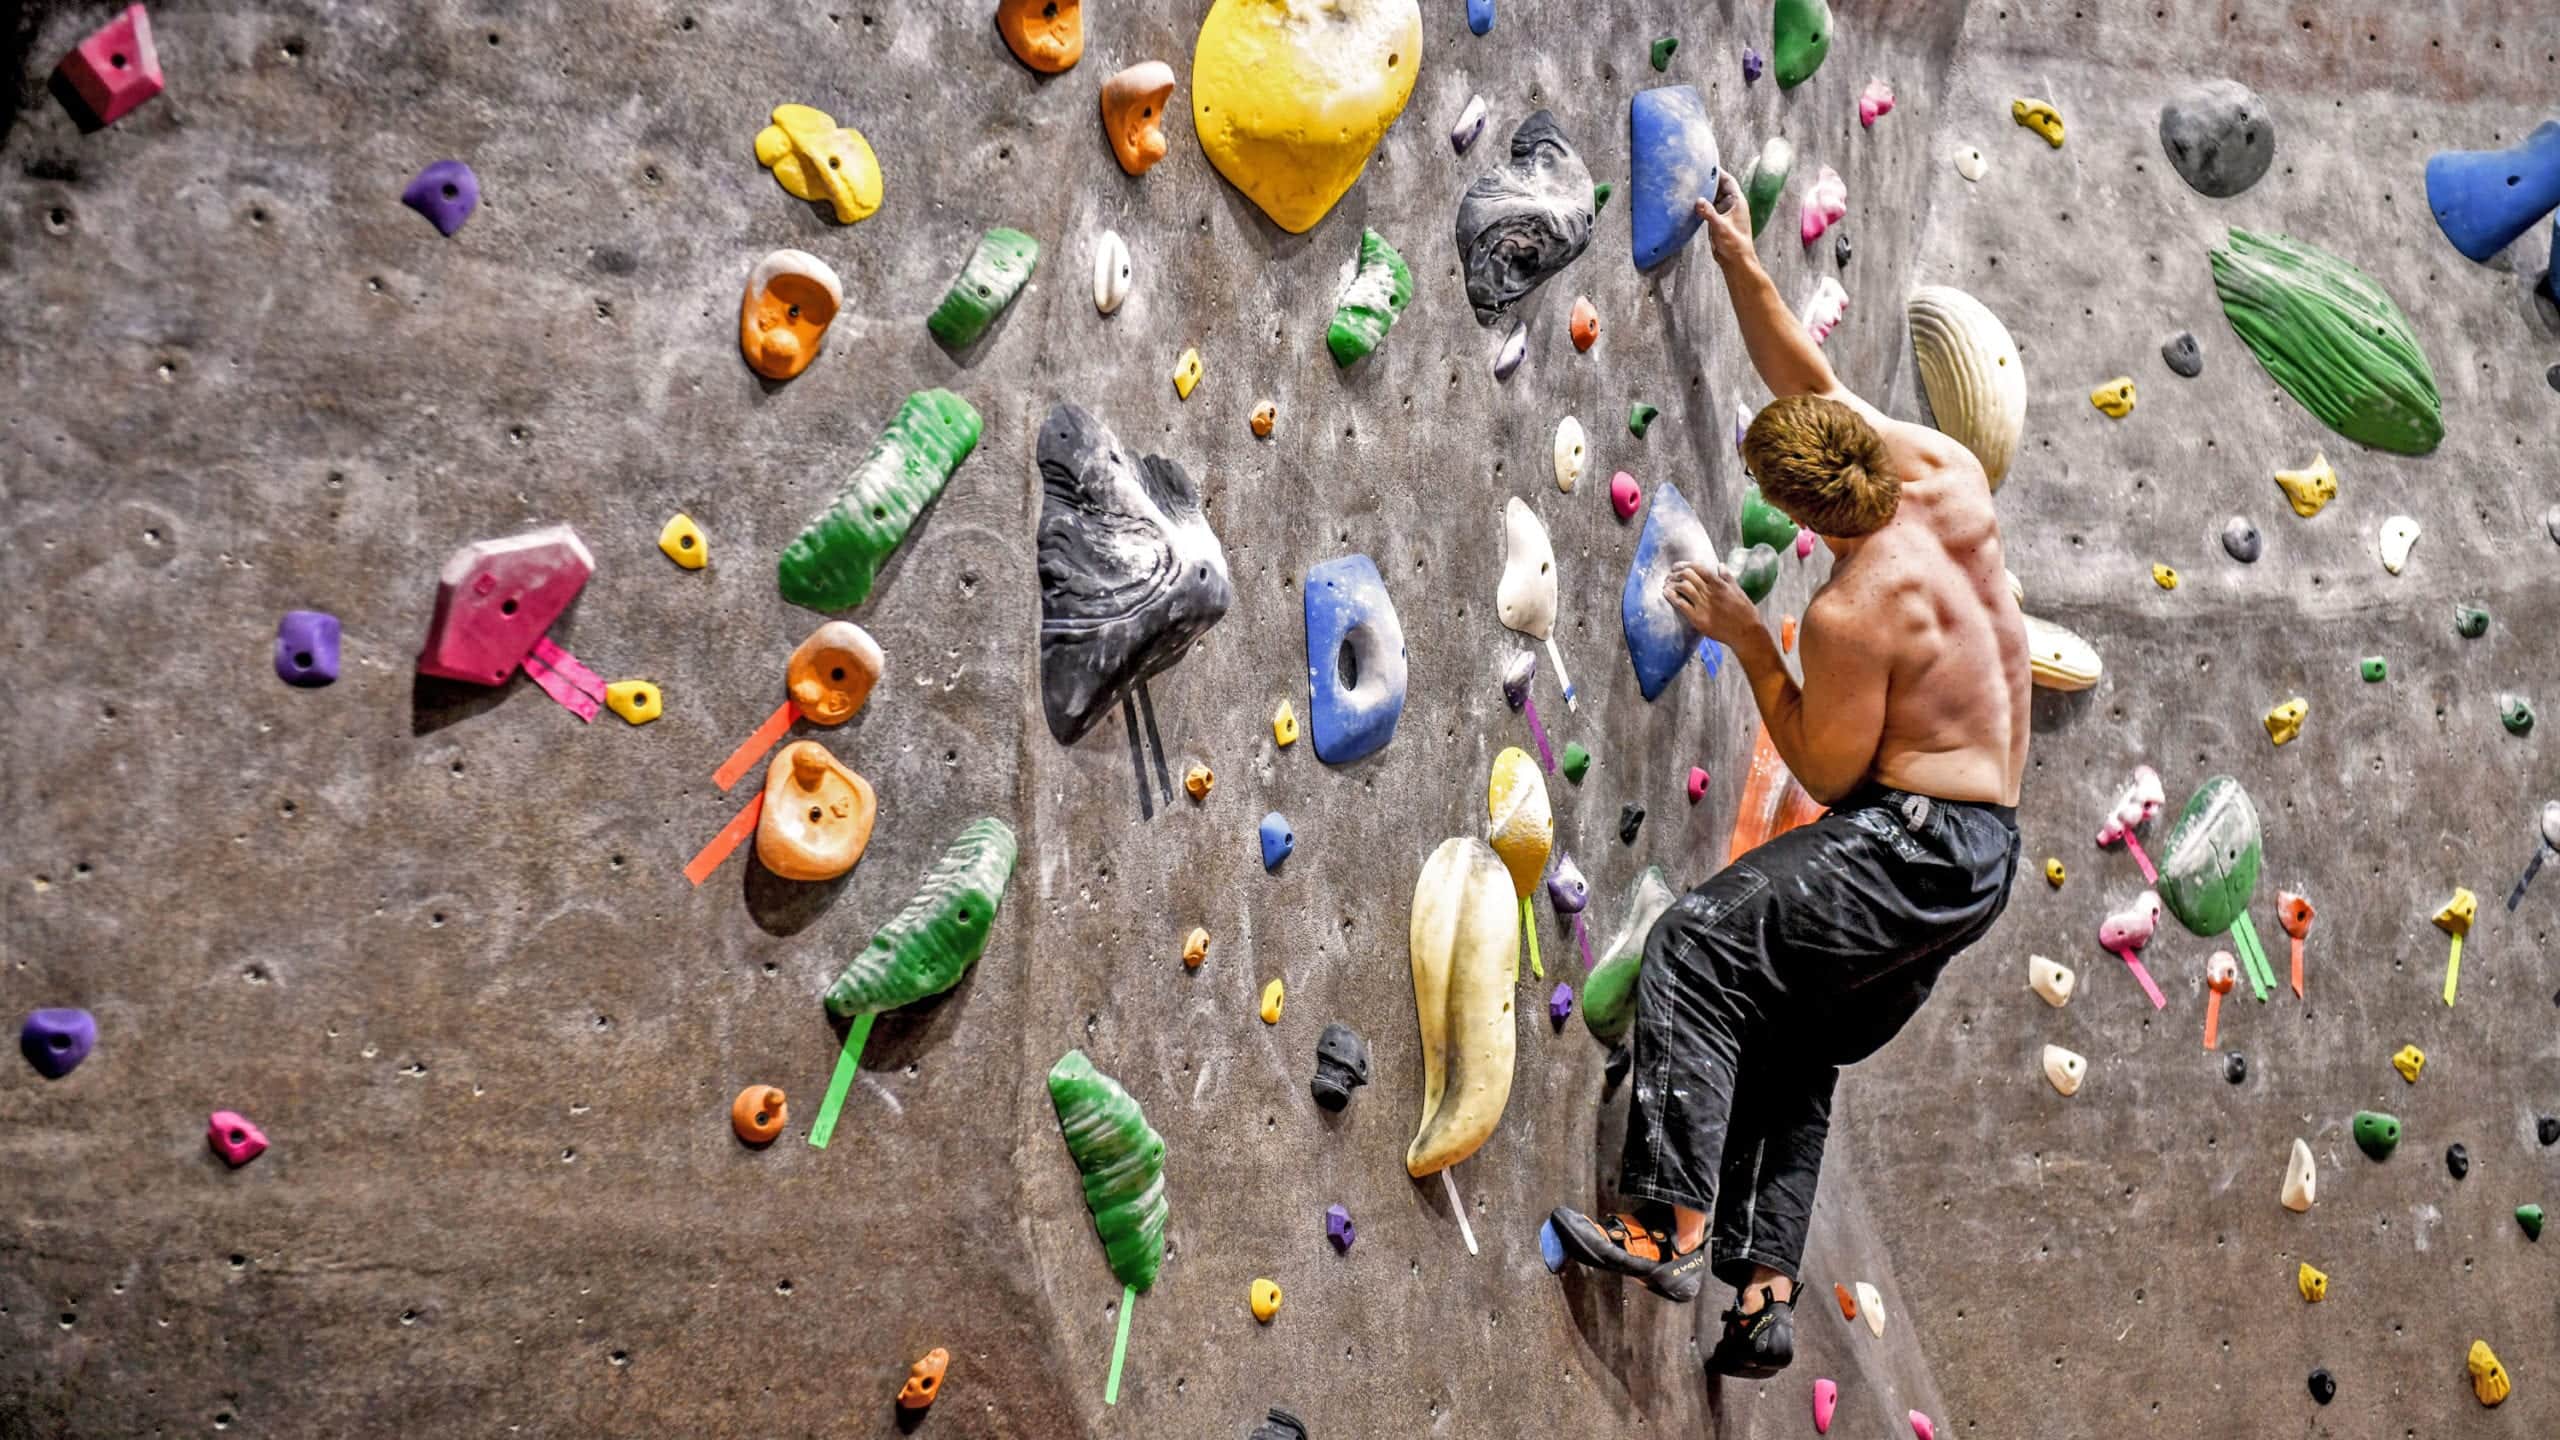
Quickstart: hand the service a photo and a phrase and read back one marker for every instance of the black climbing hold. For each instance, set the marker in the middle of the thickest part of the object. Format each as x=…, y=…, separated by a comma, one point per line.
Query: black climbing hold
x=1630, y=820
x=2457, y=1160
x=1526, y=220
x=2183, y=355
x=1342, y=1066
x=2219, y=137
x=2547, y=1130
x=2235, y=1067
x=2324, y=1386
x=1281, y=1426
x=2240, y=539
x=1613, y=1071
x=1840, y=248
x=2553, y=375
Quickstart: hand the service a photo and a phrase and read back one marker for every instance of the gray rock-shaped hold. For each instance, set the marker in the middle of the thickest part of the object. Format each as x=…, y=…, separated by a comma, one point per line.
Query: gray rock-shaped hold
x=2240, y=539
x=1521, y=223
x=2219, y=137
x=2181, y=353
x=1130, y=572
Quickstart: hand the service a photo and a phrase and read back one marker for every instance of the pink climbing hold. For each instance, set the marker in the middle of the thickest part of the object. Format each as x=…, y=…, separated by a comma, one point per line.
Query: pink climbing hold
x=116, y=68
x=1624, y=497
x=234, y=1138
x=1921, y=1427
x=1875, y=102
x=1825, y=203
x=496, y=598
x=1826, y=1398
x=1804, y=543
x=1697, y=784
x=2127, y=931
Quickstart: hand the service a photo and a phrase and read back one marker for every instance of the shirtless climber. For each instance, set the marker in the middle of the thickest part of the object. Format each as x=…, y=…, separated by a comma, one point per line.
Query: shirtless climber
x=1811, y=951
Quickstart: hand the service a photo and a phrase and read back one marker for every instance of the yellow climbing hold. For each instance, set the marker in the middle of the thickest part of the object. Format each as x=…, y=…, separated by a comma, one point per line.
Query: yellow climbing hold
x=1186, y=373
x=1284, y=725
x=817, y=159
x=2310, y=488
x=1198, y=781
x=2053, y=872
x=2039, y=116
x=2114, y=399
x=682, y=542
x=2285, y=721
x=1195, y=948
x=2313, y=1285
x=1271, y=995
x=1266, y=1300
x=1289, y=97
x=2456, y=916
x=2488, y=1377
x=2164, y=577
x=633, y=700
x=2409, y=1062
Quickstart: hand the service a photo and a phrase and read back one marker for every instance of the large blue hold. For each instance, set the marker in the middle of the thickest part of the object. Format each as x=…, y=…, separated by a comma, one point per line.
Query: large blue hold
x=1658, y=640
x=1674, y=148
x=1355, y=660
x=1480, y=16
x=2484, y=199
x=1277, y=840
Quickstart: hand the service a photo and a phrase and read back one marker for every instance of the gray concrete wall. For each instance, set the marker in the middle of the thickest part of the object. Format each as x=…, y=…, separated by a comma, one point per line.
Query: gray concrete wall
x=438, y=944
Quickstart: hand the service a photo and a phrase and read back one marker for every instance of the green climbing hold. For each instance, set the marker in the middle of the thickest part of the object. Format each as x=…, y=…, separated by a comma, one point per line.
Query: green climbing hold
x=1766, y=180
x=2209, y=867
x=2330, y=336
x=1379, y=290
x=1801, y=38
x=1754, y=568
x=832, y=563
x=1122, y=1160
x=2530, y=1217
x=1609, y=991
x=2374, y=669
x=2516, y=713
x=1640, y=418
x=939, y=935
x=2470, y=621
x=2377, y=1134
x=1764, y=523
x=1600, y=196
x=1577, y=761
x=996, y=272
x=1662, y=49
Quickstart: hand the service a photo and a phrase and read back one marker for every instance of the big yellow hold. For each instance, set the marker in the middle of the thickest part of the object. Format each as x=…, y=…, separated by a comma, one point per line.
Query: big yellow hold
x=1266, y=1300
x=2114, y=399
x=1284, y=725
x=2313, y=1285
x=2456, y=916
x=2488, y=1377
x=2285, y=721
x=2409, y=1062
x=817, y=159
x=1186, y=373
x=2039, y=116
x=2310, y=488
x=634, y=700
x=1289, y=97
x=681, y=541
x=1271, y=996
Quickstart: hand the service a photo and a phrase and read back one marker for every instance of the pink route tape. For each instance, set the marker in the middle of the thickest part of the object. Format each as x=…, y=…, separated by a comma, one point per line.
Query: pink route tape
x=2143, y=977
x=569, y=667
x=559, y=687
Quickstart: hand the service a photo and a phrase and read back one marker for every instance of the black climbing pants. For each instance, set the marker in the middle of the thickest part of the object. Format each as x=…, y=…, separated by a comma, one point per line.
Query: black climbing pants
x=1804, y=955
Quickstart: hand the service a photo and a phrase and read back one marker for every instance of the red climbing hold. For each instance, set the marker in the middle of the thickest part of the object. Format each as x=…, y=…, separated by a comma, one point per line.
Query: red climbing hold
x=116, y=68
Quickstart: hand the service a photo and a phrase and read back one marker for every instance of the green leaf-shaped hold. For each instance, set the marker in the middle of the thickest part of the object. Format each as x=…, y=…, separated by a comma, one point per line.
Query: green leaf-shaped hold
x=996, y=272
x=833, y=562
x=1767, y=180
x=1379, y=290
x=2377, y=1134
x=1799, y=39
x=1122, y=1160
x=1609, y=991
x=1764, y=523
x=1754, y=568
x=2330, y=336
x=2209, y=867
x=941, y=933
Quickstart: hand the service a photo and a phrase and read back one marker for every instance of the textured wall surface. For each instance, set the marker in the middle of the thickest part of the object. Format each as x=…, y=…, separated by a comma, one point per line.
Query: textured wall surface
x=437, y=940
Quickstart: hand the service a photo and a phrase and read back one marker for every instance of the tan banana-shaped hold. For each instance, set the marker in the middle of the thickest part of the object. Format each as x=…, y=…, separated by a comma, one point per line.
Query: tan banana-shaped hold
x=1466, y=949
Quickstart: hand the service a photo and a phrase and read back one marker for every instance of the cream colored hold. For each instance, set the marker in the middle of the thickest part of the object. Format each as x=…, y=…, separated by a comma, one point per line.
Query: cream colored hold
x=2301, y=1179
x=1526, y=597
x=1969, y=366
x=2059, y=658
x=2052, y=982
x=1570, y=454
x=2398, y=534
x=1871, y=1309
x=2064, y=1069
x=792, y=297
x=1465, y=941
x=1110, y=271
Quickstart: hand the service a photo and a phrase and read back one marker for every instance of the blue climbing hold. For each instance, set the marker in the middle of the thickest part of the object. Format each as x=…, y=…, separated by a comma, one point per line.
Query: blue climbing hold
x=1277, y=840
x=1480, y=16
x=1551, y=1247
x=2484, y=199
x=1355, y=660
x=1674, y=147
x=1658, y=640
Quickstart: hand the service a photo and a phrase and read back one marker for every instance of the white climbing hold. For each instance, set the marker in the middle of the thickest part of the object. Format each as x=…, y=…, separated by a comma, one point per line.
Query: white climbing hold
x=2051, y=980
x=2059, y=658
x=2301, y=1178
x=1515, y=346
x=1569, y=453
x=1526, y=598
x=1824, y=309
x=1970, y=162
x=1871, y=1309
x=1969, y=366
x=2398, y=534
x=2064, y=1068
x=1469, y=126
x=1110, y=272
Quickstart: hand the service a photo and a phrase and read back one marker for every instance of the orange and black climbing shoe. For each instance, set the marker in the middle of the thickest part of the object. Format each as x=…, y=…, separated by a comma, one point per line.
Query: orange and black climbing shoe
x=1628, y=1245
x=1758, y=1345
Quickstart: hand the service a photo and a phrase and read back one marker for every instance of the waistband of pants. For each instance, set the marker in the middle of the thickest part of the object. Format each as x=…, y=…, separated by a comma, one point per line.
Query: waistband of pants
x=1873, y=793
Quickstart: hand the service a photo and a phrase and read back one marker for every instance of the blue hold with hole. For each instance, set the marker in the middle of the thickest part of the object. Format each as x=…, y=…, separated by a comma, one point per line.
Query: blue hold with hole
x=1355, y=660
x=1277, y=840
x=2484, y=199
x=1674, y=152
x=1480, y=16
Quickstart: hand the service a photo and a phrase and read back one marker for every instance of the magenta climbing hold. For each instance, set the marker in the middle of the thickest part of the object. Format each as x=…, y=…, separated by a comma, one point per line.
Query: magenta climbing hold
x=1804, y=544
x=2126, y=931
x=234, y=1138
x=1921, y=1427
x=116, y=68
x=307, y=648
x=2135, y=805
x=1624, y=496
x=496, y=598
x=1824, y=204
x=446, y=192
x=1826, y=1400
x=1874, y=103
x=1697, y=784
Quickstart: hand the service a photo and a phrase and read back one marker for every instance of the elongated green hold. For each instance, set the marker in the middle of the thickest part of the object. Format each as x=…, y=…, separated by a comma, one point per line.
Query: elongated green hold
x=1640, y=418
x=1122, y=1160
x=833, y=562
x=1754, y=568
x=1767, y=180
x=1379, y=290
x=2330, y=336
x=1600, y=196
x=942, y=932
x=995, y=274
x=1801, y=37
x=1764, y=523
x=1662, y=49
x=2377, y=1134
x=1609, y=991
x=2209, y=867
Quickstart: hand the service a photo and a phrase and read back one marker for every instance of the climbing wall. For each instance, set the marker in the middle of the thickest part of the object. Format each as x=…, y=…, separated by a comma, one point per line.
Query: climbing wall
x=437, y=941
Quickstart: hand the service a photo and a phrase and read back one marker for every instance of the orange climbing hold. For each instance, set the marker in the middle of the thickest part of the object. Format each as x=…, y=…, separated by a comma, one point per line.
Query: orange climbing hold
x=758, y=1114
x=1772, y=802
x=924, y=1380
x=1787, y=634
x=1133, y=114
x=1586, y=323
x=1047, y=35
x=1848, y=1306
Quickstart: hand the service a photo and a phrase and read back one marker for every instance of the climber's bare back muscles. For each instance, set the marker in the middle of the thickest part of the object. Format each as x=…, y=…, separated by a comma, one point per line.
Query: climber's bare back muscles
x=1914, y=654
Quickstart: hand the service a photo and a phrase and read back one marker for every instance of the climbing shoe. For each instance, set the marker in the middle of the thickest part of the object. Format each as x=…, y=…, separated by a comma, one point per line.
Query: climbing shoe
x=1629, y=1246
x=1758, y=1345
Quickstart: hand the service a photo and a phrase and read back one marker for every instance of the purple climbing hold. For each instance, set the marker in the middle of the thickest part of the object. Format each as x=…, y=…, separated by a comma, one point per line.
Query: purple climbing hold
x=307, y=648
x=1338, y=1228
x=1560, y=1004
x=1567, y=887
x=1752, y=64
x=446, y=193
x=1516, y=677
x=56, y=1041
